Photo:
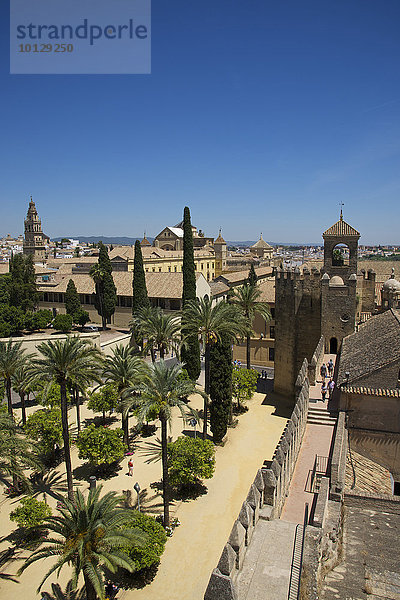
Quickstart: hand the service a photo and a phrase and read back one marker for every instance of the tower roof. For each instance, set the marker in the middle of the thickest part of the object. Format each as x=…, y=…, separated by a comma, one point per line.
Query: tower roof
x=261, y=243
x=220, y=239
x=145, y=241
x=341, y=228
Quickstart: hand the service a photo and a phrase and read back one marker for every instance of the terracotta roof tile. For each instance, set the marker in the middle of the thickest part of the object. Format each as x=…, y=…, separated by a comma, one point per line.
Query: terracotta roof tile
x=341, y=228
x=375, y=345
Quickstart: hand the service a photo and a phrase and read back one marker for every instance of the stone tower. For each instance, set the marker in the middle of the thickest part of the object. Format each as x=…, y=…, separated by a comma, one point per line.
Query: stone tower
x=34, y=239
x=309, y=305
x=339, y=284
x=220, y=255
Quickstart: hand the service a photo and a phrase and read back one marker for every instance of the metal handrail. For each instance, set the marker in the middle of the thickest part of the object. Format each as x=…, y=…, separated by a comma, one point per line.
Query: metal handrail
x=294, y=594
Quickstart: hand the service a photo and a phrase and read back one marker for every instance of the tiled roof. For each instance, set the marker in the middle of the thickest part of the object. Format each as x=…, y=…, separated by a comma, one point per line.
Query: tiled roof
x=262, y=244
x=122, y=251
x=388, y=393
x=177, y=231
x=240, y=276
x=267, y=289
x=159, y=285
x=218, y=288
x=375, y=345
x=341, y=228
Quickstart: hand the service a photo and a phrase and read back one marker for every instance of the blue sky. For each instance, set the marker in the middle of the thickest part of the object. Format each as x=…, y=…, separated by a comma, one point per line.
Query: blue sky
x=260, y=116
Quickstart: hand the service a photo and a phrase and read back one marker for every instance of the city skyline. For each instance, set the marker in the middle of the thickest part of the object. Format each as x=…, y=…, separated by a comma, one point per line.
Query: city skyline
x=259, y=118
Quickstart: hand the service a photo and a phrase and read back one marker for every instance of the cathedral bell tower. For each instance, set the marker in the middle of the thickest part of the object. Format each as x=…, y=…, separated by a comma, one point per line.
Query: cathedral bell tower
x=34, y=239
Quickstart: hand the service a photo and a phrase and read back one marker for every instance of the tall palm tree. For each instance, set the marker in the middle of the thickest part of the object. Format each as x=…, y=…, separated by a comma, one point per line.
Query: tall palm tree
x=21, y=382
x=16, y=452
x=160, y=392
x=159, y=329
x=211, y=323
x=124, y=370
x=97, y=273
x=247, y=298
x=11, y=358
x=89, y=534
x=65, y=361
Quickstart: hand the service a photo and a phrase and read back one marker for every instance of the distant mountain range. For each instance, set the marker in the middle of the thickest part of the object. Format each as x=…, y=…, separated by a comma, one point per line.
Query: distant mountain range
x=90, y=239
x=129, y=241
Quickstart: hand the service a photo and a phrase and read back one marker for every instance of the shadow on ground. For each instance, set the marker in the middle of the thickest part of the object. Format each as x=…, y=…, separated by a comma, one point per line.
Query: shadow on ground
x=104, y=472
x=283, y=406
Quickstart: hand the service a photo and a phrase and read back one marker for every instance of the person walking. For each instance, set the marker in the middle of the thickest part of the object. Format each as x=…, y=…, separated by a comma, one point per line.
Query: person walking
x=323, y=371
x=331, y=387
x=330, y=368
x=324, y=389
x=130, y=467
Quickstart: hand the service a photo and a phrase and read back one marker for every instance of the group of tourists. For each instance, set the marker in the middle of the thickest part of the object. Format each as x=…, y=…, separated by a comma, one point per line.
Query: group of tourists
x=326, y=372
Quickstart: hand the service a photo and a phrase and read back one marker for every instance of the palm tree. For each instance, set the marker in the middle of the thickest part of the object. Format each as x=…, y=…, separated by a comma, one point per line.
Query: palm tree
x=66, y=361
x=160, y=392
x=247, y=298
x=97, y=273
x=11, y=358
x=21, y=381
x=124, y=370
x=211, y=323
x=88, y=535
x=160, y=330
x=16, y=452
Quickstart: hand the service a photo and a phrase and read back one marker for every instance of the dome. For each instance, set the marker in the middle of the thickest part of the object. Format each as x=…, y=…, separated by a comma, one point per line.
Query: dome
x=336, y=281
x=391, y=285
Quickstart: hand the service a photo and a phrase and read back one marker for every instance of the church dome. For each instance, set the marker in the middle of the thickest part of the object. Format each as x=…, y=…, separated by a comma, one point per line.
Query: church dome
x=391, y=285
x=336, y=281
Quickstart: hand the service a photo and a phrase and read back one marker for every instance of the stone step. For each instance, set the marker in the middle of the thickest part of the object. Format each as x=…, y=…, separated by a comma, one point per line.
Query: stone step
x=321, y=421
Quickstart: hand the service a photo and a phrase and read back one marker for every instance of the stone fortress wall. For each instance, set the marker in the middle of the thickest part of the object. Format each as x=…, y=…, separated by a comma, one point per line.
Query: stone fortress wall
x=265, y=498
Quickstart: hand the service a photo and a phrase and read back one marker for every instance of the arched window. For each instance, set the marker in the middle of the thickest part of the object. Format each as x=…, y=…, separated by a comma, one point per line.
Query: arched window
x=340, y=255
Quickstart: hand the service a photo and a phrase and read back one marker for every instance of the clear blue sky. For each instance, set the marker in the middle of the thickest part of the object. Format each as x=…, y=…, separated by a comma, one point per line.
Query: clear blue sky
x=260, y=116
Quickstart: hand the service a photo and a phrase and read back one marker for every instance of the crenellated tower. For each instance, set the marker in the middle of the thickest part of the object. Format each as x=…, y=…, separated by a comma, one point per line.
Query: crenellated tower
x=311, y=304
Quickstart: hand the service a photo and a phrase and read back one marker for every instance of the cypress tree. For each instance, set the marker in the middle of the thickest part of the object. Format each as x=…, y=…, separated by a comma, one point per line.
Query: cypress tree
x=139, y=289
x=105, y=299
x=190, y=354
x=252, y=278
x=72, y=302
x=220, y=387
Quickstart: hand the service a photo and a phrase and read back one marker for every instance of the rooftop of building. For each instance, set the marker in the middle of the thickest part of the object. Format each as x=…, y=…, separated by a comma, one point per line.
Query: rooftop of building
x=159, y=285
x=375, y=345
x=261, y=243
x=238, y=277
x=341, y=228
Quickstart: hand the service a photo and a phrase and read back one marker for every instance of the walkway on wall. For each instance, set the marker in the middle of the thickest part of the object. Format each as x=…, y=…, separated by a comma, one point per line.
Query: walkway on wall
x=267, y=565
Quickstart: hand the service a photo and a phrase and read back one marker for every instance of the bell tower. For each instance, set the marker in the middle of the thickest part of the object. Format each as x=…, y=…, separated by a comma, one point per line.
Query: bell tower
x=34, y=240
x=340, y=249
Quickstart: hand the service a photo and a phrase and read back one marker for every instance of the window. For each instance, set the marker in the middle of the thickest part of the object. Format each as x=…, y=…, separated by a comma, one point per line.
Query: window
x=272, y=332
x=202, y=266
x=175, y=269
x=154, y=269
x=159, y=269
x=169, y=269
x=271, y=354
x=273, y=312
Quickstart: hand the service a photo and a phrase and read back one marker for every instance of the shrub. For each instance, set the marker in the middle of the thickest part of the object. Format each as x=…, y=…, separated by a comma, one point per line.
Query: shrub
x=44, y=426
x=38, y=320
x=53, y=396
x=244, y=384
x=81, y=318
x=149, y=553
x=106, y=399
x=62, y=323
x=100, y=445
x=189, y=460
x=30, y=512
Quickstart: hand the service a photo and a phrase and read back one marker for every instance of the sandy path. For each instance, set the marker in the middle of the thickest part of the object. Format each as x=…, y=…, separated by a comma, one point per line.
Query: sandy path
x=196, y=545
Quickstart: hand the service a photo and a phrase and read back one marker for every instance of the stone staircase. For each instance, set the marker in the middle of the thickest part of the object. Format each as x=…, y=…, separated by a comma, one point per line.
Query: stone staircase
x=319, y=415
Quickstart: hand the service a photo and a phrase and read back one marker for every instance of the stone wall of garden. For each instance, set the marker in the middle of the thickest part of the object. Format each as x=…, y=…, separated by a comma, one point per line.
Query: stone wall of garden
x=265, y=498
